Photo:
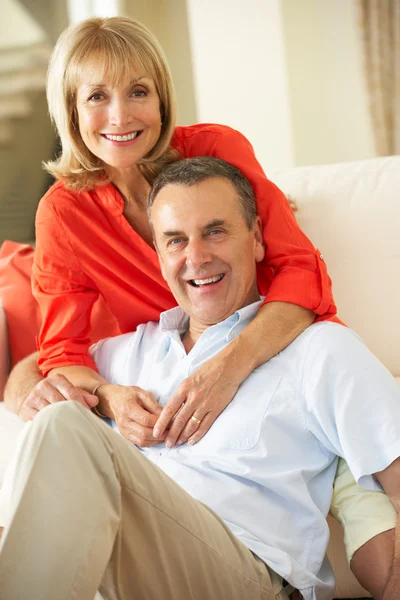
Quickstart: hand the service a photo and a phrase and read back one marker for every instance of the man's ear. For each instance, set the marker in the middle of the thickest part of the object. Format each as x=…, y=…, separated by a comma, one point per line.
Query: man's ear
x=258, y=241
x=162, y=269
x=158, y=253
x=161, y=265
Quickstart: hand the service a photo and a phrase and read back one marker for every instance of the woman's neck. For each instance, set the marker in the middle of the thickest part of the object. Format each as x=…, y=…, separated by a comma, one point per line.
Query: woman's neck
x=134, y=189
x=132, y=185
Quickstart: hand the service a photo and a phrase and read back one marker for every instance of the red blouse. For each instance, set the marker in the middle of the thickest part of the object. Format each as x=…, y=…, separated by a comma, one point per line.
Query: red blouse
x=86, y=247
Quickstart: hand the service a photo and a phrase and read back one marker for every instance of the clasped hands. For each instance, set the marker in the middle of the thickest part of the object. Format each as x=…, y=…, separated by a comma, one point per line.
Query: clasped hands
x=186, y=417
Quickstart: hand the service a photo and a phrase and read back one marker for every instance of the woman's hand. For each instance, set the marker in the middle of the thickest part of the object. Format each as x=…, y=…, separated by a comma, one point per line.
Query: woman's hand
x=52, y=389
x=202, y=397
x=134, y=410
x=199, y=400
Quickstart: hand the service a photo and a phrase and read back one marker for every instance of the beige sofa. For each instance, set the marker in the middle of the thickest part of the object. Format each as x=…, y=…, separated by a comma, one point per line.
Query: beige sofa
x=351, y=211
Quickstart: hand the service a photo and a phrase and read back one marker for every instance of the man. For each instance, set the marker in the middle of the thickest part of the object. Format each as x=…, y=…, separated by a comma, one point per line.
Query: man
x=94, y=511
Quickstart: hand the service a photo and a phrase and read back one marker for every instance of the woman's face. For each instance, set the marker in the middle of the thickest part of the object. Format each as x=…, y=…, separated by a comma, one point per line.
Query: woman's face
x=118, y=124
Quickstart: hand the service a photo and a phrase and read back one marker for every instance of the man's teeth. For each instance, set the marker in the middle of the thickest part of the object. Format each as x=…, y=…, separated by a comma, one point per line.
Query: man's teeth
x=208, y=280
x=122, y=138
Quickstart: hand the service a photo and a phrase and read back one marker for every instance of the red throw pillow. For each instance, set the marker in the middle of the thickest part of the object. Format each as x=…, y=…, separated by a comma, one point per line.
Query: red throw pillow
x=22, y=310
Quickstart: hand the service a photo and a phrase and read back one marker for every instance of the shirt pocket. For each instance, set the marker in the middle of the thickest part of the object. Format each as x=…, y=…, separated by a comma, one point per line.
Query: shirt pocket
x=239, y=426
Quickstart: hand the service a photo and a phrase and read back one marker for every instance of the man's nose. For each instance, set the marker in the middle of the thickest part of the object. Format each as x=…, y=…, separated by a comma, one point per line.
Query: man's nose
x=197, y=254
x=120, y=112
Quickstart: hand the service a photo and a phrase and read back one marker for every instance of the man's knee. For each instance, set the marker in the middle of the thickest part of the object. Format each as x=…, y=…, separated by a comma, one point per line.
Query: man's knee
x=61, y=416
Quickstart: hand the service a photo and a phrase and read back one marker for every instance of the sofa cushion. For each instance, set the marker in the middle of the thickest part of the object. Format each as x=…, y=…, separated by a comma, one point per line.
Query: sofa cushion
x=351, y=212
x=4, y=355
x=10, y=427
x=22, y=310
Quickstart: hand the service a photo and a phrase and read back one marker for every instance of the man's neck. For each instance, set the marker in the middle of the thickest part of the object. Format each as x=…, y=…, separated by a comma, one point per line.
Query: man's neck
x=191, y=336
x=196, y=328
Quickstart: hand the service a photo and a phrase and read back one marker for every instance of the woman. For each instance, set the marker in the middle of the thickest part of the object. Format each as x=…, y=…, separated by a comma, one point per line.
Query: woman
x=110, y=96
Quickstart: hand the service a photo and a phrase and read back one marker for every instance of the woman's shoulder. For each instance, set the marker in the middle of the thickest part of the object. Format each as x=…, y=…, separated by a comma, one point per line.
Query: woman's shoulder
x=61, y=199
x=199, y=139
x=57, y=194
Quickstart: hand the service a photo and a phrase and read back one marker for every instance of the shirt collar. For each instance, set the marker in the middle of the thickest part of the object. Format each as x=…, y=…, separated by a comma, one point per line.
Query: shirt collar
x=176, y=320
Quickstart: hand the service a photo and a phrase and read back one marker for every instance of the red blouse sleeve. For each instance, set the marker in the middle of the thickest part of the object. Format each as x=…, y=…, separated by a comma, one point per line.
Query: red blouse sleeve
x=64, y=293
x=293, y=270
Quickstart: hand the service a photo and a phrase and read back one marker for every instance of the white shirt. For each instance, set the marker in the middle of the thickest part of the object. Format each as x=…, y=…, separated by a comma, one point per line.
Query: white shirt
x=267, y=465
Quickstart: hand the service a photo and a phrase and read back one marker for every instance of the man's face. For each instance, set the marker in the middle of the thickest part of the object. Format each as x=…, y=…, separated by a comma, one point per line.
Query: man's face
x=207, y=253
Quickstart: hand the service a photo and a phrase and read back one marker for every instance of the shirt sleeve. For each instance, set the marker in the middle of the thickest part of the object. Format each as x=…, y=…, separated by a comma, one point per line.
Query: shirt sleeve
x=352, y=402
x=64, y=293
x=362, y=513
x=113, y=357
x=293, y=270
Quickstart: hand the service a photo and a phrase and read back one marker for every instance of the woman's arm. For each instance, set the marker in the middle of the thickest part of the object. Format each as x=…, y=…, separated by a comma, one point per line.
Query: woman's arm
x=210, y=389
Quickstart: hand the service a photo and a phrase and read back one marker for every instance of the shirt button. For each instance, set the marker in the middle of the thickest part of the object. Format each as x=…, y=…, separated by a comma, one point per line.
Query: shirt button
x=321, y=257
x=231, y=336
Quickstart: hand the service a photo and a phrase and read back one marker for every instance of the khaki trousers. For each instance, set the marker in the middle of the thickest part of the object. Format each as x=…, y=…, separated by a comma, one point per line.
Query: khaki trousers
x=88, y=511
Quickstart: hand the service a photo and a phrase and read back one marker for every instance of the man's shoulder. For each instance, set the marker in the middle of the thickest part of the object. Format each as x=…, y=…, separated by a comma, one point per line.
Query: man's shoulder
x=121, y=345
x=323, y=343
x=327, y=336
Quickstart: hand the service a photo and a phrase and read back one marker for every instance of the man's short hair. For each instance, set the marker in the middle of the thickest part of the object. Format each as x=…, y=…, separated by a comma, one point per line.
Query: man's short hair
x=191, y=171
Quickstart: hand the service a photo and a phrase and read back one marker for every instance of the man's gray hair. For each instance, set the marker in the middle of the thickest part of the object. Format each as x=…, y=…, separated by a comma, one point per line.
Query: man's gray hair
x=191, y=171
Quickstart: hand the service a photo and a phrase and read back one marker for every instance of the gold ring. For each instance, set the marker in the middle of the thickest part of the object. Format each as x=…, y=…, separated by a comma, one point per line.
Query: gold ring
x=195, y=420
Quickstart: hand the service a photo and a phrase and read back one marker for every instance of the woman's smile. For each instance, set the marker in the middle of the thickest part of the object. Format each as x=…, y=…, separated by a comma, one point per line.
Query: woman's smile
x=121, y=123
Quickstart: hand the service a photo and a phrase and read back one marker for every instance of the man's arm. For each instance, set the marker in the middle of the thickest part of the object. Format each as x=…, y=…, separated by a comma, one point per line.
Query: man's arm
x=23, y=378
x=27, y=391
x=389, y=479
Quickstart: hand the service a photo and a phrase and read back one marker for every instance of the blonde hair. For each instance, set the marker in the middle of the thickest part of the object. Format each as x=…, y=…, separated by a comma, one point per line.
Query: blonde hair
x=117, y=44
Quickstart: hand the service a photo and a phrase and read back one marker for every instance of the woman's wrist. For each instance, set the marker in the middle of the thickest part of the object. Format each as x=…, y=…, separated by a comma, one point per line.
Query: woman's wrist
x=104, y=407
x=238, y=358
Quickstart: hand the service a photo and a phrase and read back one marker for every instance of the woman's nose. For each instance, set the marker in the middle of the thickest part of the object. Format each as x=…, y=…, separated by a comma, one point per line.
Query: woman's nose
x=120, y=113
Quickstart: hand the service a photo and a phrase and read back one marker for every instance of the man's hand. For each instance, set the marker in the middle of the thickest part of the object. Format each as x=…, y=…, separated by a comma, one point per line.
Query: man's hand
x=55, y=388
x=135, y=412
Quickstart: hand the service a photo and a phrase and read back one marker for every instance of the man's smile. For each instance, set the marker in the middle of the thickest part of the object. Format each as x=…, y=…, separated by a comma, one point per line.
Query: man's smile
x=206, y=280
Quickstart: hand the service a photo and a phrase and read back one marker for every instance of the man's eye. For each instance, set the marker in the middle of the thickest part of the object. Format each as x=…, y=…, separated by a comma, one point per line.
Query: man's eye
x=215, y=231
x=175, y=241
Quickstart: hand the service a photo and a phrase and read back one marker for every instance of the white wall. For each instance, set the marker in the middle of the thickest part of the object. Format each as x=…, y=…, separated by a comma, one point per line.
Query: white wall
x=287, y=73
x=328, y=99
x=84, y=9
x=168, y=20
x=240, y=74
x=17, y=27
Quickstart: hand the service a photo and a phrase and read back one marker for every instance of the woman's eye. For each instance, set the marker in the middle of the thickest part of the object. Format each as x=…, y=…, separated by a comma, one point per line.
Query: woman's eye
x=139, y=93
x=96, y=97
